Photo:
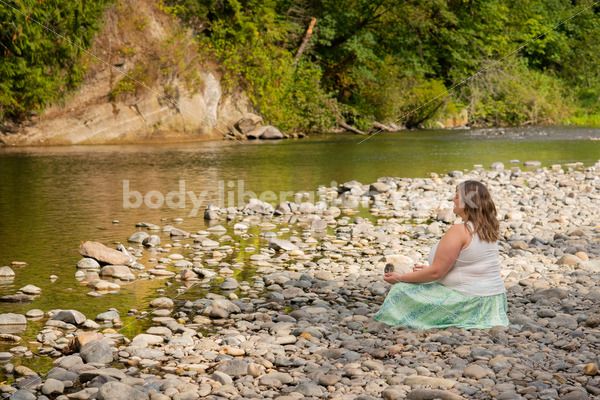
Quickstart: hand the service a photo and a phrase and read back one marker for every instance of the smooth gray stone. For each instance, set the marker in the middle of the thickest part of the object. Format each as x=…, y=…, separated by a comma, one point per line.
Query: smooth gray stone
x=351, y=356
x=309, y=389
x=576, y=395
x=16, y=298
x=431, y=394
x=101, y=380
x=22, y=395
x=70, y=316
x=84, y=394
x=148, y=353
x=69, y=362
x=138, y=237
x=332, y=353
x=120, y=391
x=151, y=241
x=96, y=351
x=222, y=377
x=511, y=395
x=88, y=263
x=91, y=374
x=30, y=383
x=61, y=374
x=229, y=284
x=236, y=368
x=107, y=316
x=329, y=379
x=282, y=244
x=53, y=387
x=6, y=272
x=179, y=232
x=271, y=133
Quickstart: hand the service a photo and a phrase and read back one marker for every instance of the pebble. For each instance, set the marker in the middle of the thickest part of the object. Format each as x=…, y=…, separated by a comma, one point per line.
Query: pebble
x=300, y=324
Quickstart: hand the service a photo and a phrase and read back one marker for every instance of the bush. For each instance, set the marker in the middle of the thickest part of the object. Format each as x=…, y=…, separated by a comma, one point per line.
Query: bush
x=514, y=95
x=37, y=66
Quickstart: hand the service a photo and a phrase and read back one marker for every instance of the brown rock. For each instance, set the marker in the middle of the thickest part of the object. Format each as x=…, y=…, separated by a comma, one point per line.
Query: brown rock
x=103, y=254
x=582, y=255
x=592, y=321
x=590, y=369
x=116, y=271
x=568, y=259
x=475, y=371
x=188, y=275
x=520, y=245
x=78, y=341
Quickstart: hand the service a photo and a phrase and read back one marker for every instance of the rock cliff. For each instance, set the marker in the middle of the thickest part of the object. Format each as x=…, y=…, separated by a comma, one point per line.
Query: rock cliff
x=146, y=81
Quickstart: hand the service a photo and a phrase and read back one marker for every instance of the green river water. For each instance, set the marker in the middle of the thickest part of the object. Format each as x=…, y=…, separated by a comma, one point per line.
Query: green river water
x=52, y=199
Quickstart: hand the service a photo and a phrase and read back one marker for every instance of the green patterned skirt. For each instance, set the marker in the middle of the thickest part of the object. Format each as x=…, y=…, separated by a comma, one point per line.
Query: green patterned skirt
x=432, y=305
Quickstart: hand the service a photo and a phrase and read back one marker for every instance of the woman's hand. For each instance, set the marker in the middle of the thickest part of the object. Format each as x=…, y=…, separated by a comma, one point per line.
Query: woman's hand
x=391, y=278
x=418, y=267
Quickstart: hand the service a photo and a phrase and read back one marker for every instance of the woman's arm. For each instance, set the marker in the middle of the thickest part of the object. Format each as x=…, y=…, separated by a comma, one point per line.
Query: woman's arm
x=446, y=254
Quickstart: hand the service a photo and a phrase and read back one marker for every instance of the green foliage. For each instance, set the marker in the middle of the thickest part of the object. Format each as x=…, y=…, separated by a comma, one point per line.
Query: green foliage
x=515, y=95
x=248, y=40
x=390, y=96
x=382, y=60
x=38, y=66
x=386, y=60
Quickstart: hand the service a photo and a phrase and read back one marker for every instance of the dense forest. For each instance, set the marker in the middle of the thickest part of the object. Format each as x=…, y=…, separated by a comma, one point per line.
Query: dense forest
x=408, y=62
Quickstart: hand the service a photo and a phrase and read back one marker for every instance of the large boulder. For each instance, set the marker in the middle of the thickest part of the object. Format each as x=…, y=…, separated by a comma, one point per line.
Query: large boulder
x=249, y=123
x=103, y=254
x=271, y=133
x=96, y=351
x=12, y=319
x=70, y=316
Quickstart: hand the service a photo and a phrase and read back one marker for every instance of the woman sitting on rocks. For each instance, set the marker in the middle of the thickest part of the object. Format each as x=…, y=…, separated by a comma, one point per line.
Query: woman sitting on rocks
x=462, y=286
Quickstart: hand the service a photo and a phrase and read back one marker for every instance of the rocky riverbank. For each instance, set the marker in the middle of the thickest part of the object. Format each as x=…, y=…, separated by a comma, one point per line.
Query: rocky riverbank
x=302, y=326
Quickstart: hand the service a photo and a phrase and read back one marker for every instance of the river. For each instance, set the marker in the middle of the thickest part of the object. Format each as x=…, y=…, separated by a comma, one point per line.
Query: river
x=52, y=199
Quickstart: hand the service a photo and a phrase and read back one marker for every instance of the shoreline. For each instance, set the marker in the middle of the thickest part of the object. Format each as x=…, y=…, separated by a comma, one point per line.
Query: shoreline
x=302, y=326
x=336, y=132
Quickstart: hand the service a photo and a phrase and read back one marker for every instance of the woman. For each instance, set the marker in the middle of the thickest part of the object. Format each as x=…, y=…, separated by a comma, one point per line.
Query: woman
x=462, y=286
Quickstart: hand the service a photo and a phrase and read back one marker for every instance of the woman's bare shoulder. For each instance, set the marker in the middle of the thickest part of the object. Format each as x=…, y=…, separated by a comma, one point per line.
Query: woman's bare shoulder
x=459, y=232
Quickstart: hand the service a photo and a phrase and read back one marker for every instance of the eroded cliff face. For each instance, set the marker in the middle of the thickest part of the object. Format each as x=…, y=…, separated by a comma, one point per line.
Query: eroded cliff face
x=174, y=95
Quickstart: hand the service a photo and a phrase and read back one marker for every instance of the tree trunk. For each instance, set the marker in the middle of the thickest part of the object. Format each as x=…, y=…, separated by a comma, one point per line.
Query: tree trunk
x=307, y=36
x=350, y=128
x=382, y=127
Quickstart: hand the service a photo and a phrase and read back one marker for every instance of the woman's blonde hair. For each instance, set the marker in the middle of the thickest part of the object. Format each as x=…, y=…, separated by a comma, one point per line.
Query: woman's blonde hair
x=480, y=210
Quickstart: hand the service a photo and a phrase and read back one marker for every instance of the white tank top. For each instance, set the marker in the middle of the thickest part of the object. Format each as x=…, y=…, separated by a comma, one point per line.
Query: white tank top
x=476, y=271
